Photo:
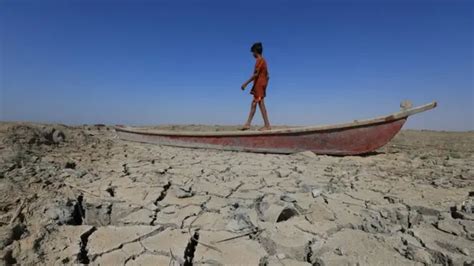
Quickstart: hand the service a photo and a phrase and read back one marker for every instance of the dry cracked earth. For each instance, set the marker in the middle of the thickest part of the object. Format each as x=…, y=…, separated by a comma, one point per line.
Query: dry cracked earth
x=72, y=195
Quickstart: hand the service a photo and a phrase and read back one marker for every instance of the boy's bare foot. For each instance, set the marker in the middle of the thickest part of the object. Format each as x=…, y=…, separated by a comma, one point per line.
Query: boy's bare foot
x=265, y=128
x=245, y=127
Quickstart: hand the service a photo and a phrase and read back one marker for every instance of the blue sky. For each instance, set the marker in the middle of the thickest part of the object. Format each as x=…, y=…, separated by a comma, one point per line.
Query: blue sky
x=153, y=62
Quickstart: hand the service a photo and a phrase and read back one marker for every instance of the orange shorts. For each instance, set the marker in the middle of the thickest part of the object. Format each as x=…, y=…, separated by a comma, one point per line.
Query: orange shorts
x=258, y=93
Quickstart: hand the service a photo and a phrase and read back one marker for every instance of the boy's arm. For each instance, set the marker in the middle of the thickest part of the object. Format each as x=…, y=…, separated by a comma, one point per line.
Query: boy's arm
x=252, y=78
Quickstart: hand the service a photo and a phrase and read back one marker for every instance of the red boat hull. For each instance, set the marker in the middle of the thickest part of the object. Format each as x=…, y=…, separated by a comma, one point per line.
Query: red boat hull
x=340, y=141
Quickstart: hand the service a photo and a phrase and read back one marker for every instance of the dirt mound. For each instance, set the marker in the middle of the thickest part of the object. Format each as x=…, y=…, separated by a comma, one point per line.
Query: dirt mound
x=35, y=160
x=37, y=135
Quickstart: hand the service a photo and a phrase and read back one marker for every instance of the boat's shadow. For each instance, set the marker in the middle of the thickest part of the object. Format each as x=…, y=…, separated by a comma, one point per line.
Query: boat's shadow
x=364, y=155
x=372, y=153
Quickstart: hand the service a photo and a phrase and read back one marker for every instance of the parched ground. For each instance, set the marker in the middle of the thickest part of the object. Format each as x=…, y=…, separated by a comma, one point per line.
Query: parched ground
x=79, y=195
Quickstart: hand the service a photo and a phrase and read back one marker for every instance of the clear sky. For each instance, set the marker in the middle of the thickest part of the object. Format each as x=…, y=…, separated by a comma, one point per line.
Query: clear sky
x=153, y=62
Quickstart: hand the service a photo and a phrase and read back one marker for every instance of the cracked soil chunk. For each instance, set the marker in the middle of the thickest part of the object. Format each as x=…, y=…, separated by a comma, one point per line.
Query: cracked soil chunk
x=358, y=247
x=109, y=238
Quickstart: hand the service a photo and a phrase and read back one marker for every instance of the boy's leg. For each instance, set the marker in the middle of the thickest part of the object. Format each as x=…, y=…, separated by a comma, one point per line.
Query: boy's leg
x=253, y=108
x=261, y=104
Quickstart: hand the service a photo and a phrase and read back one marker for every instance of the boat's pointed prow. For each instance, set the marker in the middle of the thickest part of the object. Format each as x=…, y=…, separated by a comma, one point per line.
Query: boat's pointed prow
x=405, y=112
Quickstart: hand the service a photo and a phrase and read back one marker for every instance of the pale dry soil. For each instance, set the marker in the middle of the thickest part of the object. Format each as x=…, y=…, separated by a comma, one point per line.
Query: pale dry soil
x=73, y=195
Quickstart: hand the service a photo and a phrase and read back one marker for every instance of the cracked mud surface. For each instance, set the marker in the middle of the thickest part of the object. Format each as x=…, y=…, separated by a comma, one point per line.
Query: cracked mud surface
x=85, y=196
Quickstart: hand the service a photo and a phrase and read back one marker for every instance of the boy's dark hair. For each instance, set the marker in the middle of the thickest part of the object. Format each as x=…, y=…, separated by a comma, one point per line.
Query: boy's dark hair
x=257, y=48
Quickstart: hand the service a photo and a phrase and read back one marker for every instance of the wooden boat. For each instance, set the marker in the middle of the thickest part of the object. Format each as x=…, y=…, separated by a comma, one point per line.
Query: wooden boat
x=357, y=137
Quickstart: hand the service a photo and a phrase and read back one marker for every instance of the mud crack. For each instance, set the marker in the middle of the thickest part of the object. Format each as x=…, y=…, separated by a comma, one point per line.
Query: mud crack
x=79, y=212
x=160, y=198
x=83, y=256
x=190, y=249
x=163, y=193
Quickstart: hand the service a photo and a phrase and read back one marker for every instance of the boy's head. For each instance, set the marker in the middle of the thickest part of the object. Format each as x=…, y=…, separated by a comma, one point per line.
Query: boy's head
x=256, y=49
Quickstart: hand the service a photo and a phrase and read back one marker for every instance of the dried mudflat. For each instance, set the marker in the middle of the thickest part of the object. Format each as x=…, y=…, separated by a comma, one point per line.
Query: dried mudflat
x=73, y=195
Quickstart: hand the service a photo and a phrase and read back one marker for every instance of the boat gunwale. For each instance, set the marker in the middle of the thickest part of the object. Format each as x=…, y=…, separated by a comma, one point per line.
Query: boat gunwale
x=294, y=130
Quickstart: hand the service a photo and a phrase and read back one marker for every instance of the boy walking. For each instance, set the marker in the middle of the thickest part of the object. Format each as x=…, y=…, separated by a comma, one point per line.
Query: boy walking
x=260, y=79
